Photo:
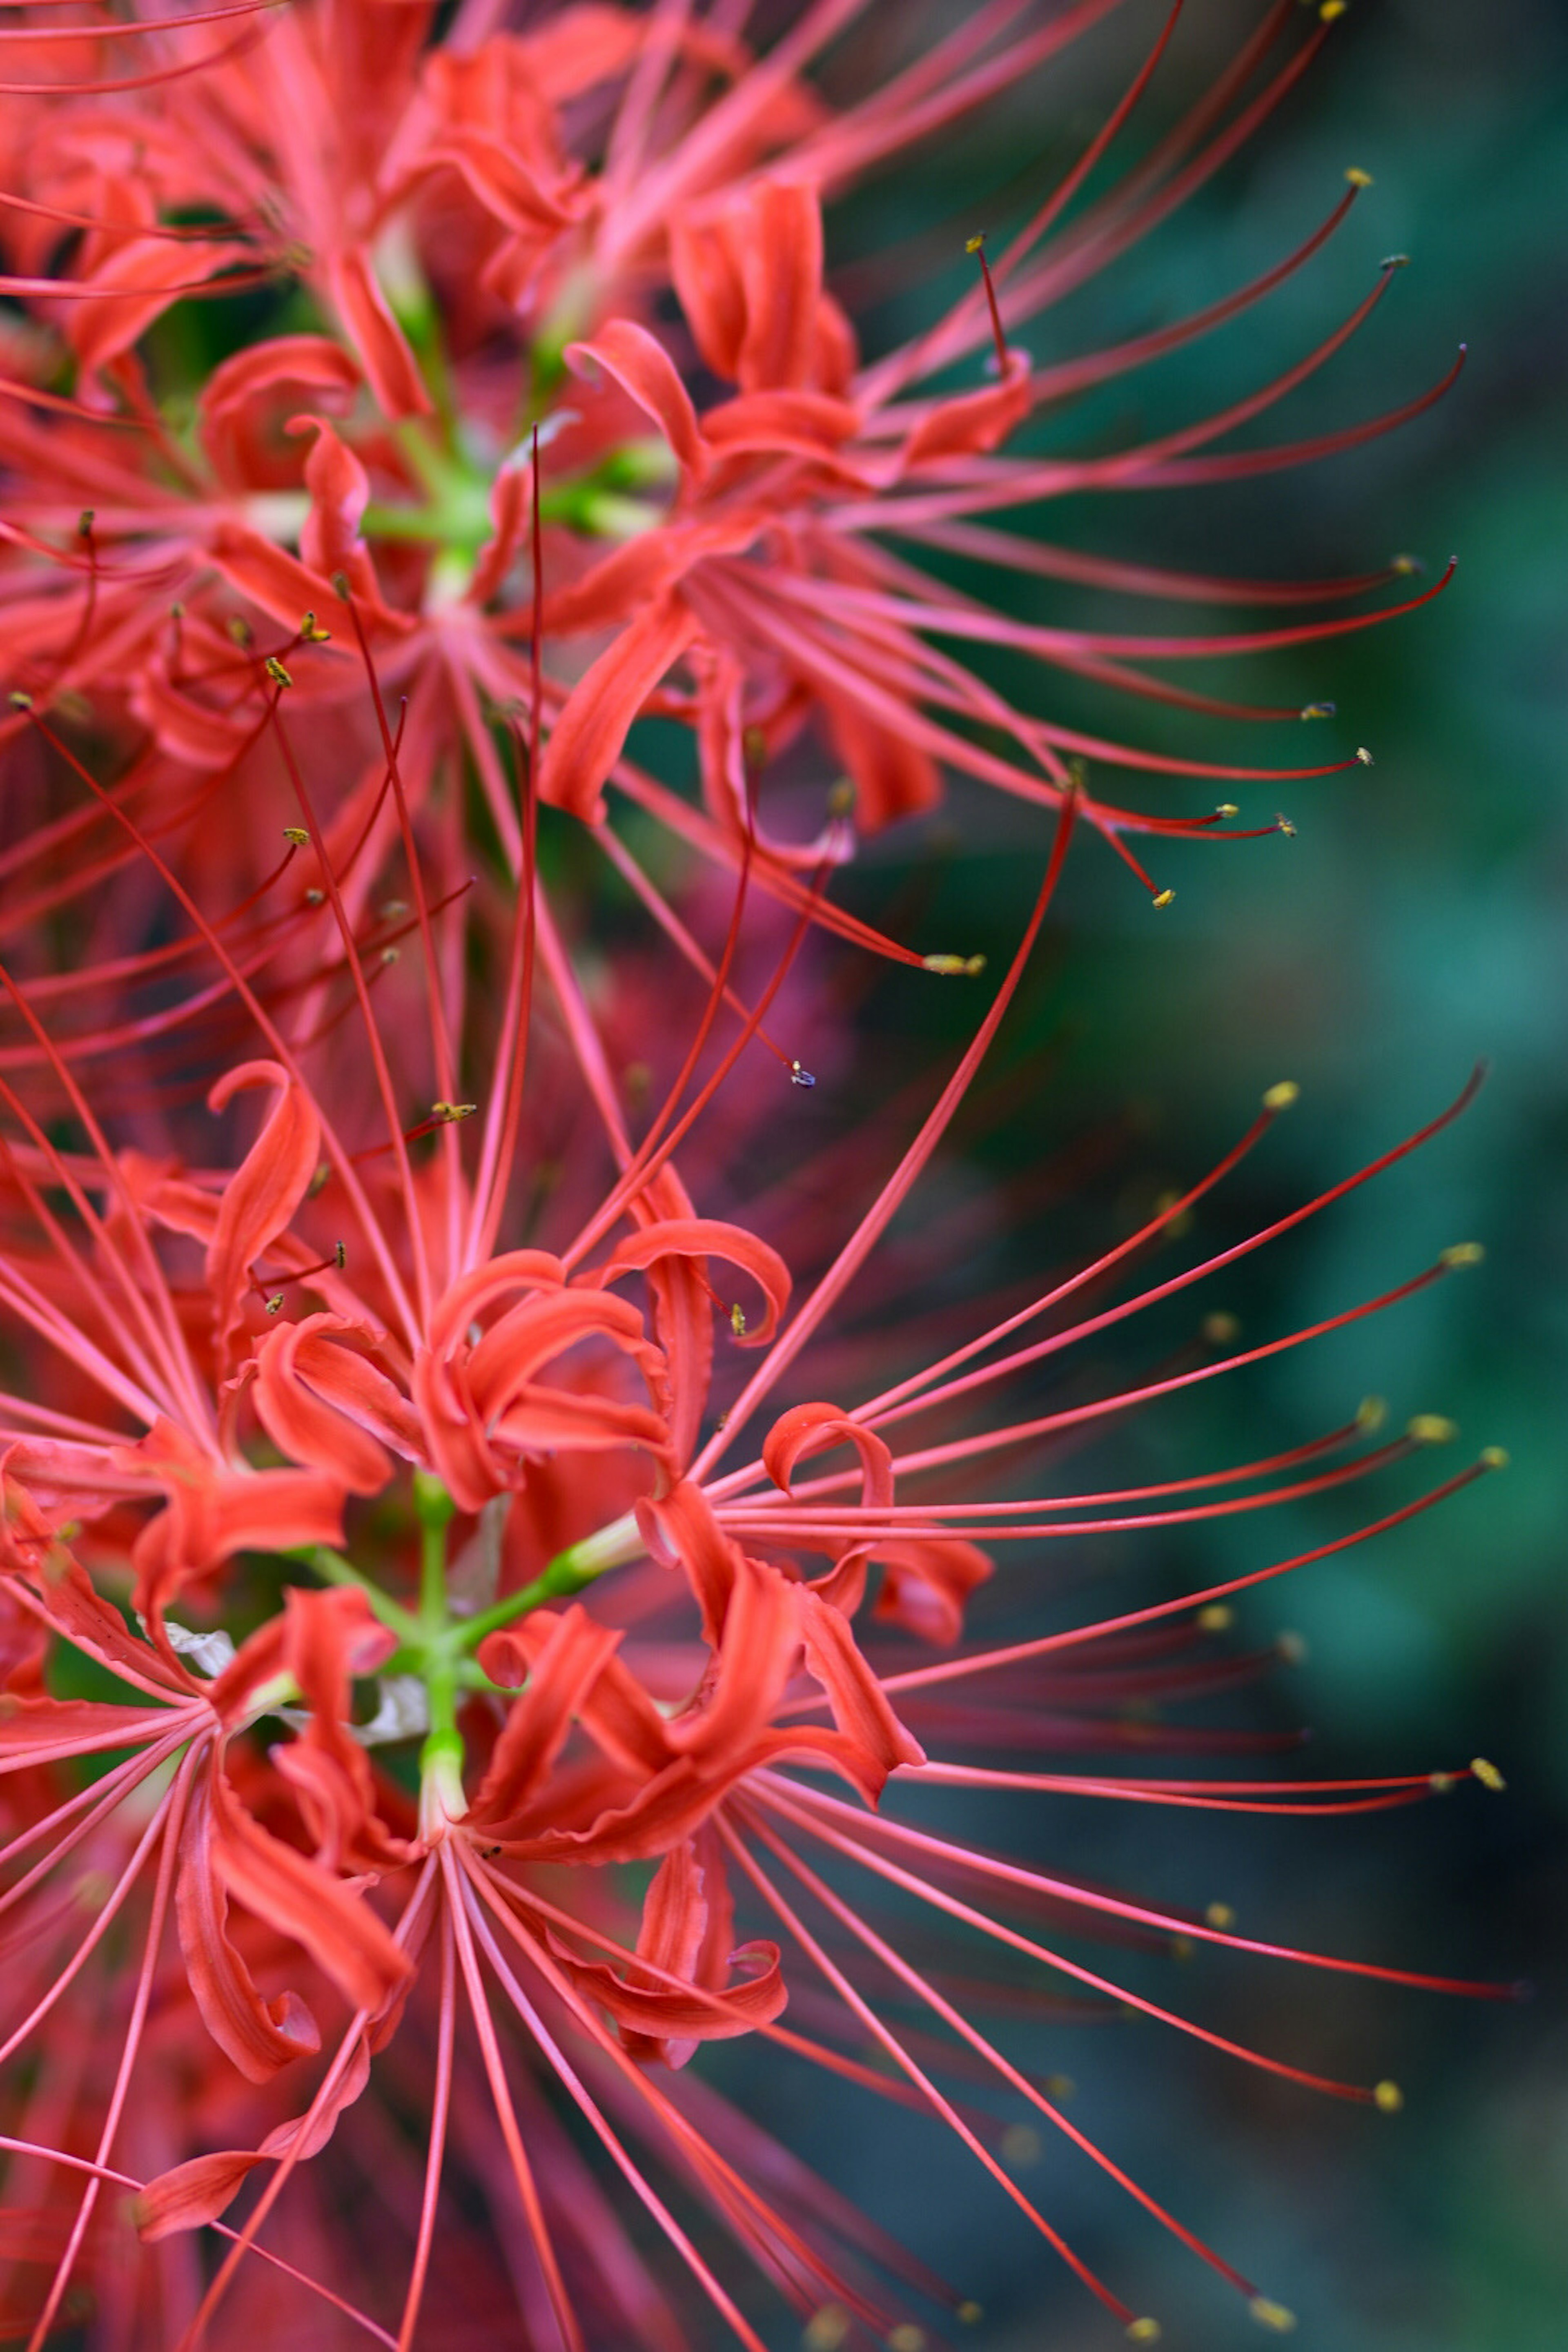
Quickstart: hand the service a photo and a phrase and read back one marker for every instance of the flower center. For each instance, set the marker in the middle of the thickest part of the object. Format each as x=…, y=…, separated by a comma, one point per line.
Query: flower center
x=437, y=1641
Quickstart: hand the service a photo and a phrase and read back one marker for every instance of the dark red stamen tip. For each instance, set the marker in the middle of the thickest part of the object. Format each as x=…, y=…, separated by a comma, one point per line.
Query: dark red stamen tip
x=976, y=246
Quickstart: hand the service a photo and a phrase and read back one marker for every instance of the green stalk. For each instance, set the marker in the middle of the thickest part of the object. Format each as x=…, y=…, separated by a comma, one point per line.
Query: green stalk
x=567, y=1573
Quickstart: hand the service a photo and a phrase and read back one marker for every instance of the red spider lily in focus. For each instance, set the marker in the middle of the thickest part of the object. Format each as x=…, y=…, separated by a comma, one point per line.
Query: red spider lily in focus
x=448, y=1719
x=608, y=227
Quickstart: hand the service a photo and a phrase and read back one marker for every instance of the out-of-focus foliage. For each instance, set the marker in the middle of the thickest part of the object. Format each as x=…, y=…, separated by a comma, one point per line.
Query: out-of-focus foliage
x=1416, y=922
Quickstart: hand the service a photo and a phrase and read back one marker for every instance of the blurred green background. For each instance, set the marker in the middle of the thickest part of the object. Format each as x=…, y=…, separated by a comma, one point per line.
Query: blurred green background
x=1415, y=925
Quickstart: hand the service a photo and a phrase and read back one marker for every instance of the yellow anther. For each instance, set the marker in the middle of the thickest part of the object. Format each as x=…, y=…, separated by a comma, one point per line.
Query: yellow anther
x=275, y=1304
x=827, y=2330
x=973, y=244
x=1143, y=2331
x=1181, y=1948
x=1061, y=2087
x=1358, y=178
x=1317, y=710
x=276, y=671
x=1463, y=1253
x=1371, y=1414
x=1395, y=261
x=1286, y=825
x=970, y=2313
x=1020, y=2146
x=1363, y=755
x=1494, y=1457
x=1166, y=1206
x=1163, y=897
x=1221, y=1329
x=1220, y=1915
x=311, y=632
x=340, y=1255
x=298, y=835
x=448, y=1113
x=738, y=1322
x=1228, y=808
x=239, y=630
x=1431, y=1428
x=20, y=701
x=1217, y=1618
x=318, y=1180
x=951, y=966
x=85, y=521
x=907, y=2339
x=1292, y=1648
x=1266, y=2314
x=1405, y=564
x=1487, y=1775
x=1440, y=1783
x=1388, y=2098
x=841, y=797
x=1327, y=12
x=1281, y=1096
x=340, y=585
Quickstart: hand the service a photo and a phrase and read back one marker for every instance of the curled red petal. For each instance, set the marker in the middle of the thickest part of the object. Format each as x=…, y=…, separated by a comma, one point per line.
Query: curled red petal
x=973, y=422
x=153, y=273
x=647, y=374
x=808, y=1429
x=560, y=1676
x=280, y=584
x=781, y=271
x=389, y=364
x=189, y=2195
x=590, y=734
x=328, y=1920
x=498, y=1278
x=705, y=270
x=213, y=1511
x=322, y=1400
x=875, y=1742
x=926, y=1581
x=809, y=422
x=262, y=1195
x=259, y=2036
x=681, y=1532
x=701, y=1238
x=306, y=359
x=330, y=538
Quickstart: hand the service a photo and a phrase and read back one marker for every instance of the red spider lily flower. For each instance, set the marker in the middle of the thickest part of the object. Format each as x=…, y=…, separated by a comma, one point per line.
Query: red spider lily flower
x=640, y=1719
x=585, y=227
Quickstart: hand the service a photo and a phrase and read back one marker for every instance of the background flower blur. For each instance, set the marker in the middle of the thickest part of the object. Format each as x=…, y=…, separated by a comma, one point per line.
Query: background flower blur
x=1418, y=920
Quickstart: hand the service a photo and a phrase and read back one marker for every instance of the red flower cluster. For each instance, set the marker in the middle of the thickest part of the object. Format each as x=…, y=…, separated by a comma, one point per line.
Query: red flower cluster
x=425, y=1721
x=609, y=228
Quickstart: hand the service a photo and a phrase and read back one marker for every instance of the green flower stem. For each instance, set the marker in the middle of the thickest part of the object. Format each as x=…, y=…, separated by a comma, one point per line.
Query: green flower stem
x=568, y=1572
x=333, y=1569
x=438, y=1647
x=441, y=1756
